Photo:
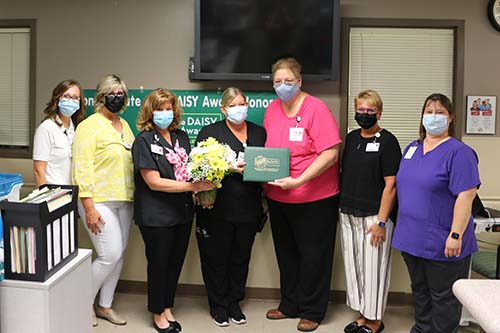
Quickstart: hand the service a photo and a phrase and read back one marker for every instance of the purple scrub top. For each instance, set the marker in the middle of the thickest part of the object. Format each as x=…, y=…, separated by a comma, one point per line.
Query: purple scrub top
x=427, y=187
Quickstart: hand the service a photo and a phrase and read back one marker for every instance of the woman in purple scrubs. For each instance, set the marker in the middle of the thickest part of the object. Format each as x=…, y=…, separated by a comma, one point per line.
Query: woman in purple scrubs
x=436, y=182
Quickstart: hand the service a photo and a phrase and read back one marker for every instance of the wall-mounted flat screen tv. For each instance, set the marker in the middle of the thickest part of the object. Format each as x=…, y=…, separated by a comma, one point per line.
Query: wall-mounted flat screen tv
x=241, y=39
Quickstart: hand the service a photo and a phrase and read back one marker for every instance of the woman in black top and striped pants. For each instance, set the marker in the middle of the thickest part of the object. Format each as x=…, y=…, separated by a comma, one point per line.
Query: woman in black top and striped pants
x=368, y=191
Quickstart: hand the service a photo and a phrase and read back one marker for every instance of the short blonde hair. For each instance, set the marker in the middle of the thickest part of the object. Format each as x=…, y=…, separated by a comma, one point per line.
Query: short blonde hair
x=154, y=101
x=230, y=94
x=106, y=85
x=370, y=96
x=288, y=63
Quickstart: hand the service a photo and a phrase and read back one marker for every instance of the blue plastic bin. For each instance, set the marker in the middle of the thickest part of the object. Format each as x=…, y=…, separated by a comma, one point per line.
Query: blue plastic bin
x=10, y=186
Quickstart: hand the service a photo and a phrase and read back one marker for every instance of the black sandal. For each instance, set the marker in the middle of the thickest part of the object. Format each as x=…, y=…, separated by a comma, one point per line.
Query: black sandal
x=366, y=329
x=352, y=327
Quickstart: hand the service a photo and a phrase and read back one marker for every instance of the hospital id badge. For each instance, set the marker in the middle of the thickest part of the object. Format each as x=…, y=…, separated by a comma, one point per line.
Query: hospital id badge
x=296, y=134
x=410, y=152
x=155, y=149
x=372, y=147
x=241, y=157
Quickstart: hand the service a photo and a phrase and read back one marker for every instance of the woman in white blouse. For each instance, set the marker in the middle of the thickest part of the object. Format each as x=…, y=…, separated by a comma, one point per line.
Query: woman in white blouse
x=54, y=136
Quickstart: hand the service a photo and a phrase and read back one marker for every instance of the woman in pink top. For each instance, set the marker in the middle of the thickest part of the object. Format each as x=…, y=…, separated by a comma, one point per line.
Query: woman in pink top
x=303, y=206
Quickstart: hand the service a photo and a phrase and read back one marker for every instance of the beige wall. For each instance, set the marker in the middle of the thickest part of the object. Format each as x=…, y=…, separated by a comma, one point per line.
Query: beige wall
x=150, y=45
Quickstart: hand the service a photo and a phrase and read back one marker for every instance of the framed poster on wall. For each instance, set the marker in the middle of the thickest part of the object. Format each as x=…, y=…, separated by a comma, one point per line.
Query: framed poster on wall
x=481, y=114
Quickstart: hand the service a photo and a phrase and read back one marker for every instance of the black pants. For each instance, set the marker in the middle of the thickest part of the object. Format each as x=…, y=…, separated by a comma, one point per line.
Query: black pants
x=165, y=251
x=437, y=310
x=225, y=249
x=304, y=241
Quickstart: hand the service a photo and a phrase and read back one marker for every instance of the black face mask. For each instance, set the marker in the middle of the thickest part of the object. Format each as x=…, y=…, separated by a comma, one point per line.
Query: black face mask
x=114, y=103
x=365, y=120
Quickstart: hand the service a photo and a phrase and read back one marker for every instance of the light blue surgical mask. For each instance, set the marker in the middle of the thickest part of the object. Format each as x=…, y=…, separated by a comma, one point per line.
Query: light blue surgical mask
x=237, y=114
x=68, y=107
x=286, y=91
x=163, y=119
x=435, y=124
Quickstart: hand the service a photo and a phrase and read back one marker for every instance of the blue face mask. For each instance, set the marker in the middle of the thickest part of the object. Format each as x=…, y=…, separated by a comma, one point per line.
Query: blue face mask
x=68, y=107
x=435, y=124
x=237, y=114
x=163, y=119
x=286, y=91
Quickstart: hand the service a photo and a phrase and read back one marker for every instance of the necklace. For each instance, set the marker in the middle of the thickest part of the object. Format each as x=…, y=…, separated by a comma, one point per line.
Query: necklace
x=362, y=138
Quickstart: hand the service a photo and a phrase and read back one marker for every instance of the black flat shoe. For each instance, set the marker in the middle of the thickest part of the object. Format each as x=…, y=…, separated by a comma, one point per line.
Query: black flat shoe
x=366, y=329
x=176, y=325
x=169, y=329
x=352, y=327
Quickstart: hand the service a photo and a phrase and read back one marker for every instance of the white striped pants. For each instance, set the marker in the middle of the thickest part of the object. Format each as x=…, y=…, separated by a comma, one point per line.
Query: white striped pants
x=367, y=268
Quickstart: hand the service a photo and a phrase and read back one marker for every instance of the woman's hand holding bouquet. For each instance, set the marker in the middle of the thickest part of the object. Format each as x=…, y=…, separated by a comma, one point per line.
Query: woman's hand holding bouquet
x=210, y=160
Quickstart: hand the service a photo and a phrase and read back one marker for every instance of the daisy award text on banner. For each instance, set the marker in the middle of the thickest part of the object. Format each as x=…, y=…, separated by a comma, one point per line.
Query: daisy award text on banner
x=200, y=107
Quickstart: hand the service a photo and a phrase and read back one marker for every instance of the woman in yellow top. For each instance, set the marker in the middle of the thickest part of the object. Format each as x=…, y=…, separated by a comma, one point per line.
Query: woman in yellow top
x=103, y=171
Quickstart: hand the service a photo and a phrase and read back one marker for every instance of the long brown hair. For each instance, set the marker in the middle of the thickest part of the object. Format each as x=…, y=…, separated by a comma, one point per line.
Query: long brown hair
x=446, y=103
x=52, y=108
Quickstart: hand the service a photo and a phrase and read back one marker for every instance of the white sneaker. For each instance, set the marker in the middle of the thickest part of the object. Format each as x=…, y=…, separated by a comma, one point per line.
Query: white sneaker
x=236, y=315
x=240, y=321
x=220, y=321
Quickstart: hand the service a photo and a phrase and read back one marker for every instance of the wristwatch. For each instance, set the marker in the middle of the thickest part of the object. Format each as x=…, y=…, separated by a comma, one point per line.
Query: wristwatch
x=455, y=235
x=381, y=224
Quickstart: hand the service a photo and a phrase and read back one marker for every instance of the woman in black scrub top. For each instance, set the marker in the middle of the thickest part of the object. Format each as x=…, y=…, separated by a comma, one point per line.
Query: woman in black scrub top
x=226, y=232
x=163, y=207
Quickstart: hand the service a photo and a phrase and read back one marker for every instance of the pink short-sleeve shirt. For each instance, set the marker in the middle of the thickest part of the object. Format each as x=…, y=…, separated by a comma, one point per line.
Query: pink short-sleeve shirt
x=320, y=132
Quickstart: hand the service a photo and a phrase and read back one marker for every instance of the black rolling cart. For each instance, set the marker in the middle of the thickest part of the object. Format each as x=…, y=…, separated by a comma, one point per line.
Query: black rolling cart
x=40, y=238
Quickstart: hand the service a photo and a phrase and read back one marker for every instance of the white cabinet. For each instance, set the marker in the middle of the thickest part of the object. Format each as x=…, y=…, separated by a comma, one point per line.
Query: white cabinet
x=61, y=304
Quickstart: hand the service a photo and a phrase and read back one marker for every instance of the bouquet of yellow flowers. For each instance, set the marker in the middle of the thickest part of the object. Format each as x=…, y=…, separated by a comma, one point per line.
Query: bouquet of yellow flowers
x=210, y=160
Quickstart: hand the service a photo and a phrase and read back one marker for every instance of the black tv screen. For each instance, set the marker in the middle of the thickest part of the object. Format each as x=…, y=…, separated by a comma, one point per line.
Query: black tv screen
x=241, y=39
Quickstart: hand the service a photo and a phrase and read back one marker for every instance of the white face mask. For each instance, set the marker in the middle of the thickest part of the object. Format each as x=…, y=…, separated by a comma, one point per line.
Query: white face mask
x=68, y=107
x=237, y=114
x=163, y=118
x=435, y=124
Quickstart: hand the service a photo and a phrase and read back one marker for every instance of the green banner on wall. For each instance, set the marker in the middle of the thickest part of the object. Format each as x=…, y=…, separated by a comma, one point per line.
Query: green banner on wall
x=200, y=108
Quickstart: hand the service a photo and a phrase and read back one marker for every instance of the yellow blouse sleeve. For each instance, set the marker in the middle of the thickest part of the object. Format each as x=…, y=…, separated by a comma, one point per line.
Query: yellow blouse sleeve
x=84, y=147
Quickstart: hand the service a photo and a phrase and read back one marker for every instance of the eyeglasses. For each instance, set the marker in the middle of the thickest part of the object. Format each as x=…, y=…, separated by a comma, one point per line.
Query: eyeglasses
x=68, y=96
x=366, y=110
x=288, y=82
x=116, y=94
